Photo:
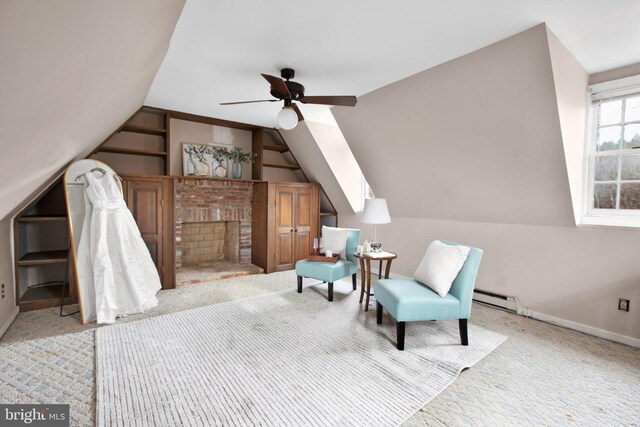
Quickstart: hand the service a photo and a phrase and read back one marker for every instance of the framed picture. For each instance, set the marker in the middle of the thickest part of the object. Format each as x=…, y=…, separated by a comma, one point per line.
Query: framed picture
x=204, y=160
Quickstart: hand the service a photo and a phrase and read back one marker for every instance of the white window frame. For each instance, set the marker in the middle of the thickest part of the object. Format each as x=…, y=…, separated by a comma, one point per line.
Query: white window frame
x=591, y=215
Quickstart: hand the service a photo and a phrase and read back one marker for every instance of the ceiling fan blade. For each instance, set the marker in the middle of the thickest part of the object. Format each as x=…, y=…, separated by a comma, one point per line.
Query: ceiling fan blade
x=298, y=112
x=346, y=101
x=278, y=84
x=248, y=102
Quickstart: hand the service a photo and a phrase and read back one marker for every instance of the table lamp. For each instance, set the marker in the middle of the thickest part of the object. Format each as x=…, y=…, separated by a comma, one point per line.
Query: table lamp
x=375, y=212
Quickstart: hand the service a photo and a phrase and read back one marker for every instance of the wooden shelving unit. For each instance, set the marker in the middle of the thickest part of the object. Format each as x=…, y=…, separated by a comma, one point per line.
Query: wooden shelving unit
x=41, y=218
x=44, y=258
x=280, y=166
x=41, y=252
x=133, y=151
x=278, y=148
x=144, y=129
x=146, y=121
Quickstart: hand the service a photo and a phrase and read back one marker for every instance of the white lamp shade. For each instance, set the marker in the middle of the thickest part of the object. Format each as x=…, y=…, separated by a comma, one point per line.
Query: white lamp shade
x=287, y=118
x=376, y=212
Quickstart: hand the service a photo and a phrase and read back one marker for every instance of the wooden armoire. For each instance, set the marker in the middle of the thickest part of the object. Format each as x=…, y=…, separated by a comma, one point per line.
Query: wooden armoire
x=285, y=221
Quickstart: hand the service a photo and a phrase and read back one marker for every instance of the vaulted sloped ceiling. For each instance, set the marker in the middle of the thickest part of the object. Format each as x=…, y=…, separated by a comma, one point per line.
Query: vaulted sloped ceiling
x=475, y=139
x=70, y=74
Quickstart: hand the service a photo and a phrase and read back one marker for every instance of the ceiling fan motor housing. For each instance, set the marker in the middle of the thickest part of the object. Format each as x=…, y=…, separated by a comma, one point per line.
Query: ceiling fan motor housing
x=295, y=89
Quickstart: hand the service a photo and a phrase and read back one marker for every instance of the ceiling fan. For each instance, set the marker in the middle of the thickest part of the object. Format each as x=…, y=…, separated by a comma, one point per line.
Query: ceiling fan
x=290, y=91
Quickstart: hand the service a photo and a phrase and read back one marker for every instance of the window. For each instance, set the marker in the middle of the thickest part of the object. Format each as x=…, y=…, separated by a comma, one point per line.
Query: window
x=614, y=157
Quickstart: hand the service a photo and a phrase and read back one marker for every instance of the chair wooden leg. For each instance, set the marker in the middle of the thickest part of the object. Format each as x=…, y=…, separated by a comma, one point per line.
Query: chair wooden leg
x=464, y=337
x=378, y=313
x=330, y=291
x=354, y=280
x=299, y=284
x=400, y=335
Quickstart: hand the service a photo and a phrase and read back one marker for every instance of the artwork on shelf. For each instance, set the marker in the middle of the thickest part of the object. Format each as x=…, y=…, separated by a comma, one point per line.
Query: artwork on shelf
x=204, y=160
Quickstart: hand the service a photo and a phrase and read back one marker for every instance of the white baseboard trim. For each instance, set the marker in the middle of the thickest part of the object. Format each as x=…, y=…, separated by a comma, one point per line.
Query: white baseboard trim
x=9, y=321
x=589, y=330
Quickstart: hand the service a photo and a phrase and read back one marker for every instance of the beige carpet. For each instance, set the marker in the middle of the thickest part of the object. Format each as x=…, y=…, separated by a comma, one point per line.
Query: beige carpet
x=542, y=375
x=283, y=359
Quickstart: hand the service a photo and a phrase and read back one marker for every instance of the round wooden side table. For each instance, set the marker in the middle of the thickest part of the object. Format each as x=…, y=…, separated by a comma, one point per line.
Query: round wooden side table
x=365, y=269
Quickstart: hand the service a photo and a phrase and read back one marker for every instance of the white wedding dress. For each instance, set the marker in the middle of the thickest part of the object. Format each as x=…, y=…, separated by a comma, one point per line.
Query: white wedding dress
x=115, y=270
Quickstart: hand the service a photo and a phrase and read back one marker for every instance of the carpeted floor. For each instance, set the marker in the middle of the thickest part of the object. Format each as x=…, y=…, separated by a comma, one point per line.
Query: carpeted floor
x=542, y=375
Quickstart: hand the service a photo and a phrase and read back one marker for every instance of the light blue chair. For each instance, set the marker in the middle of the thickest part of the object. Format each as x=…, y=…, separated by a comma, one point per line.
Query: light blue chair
x=331, y=271
x=410, y=301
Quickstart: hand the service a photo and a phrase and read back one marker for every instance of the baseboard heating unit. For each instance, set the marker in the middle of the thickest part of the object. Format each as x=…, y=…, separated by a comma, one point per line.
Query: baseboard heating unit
x=496, y=300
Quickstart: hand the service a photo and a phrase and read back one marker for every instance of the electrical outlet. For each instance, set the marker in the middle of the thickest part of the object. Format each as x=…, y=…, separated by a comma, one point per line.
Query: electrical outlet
x=623, y=304
x=2, y=291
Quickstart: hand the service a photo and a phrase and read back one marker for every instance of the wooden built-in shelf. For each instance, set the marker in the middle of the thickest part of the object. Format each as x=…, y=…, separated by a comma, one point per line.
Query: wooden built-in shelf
x=328, y=213
x=41, y=218
x=39, y=297
x=153, y=110
x=132, y=151
x=144, y=129
x=42, y=258
x=281, y=166
x=278, y=148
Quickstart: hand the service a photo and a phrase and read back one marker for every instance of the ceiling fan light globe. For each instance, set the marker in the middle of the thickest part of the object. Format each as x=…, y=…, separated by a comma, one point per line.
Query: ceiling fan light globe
x=287, y=118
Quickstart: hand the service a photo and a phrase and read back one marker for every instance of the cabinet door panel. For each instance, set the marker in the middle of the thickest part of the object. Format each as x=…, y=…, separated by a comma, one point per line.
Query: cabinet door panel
x=144, y=199
x=284, y=251
x=303, y=222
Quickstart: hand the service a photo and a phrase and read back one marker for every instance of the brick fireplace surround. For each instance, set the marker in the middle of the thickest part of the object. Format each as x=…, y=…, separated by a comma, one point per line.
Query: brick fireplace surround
x=207, y=200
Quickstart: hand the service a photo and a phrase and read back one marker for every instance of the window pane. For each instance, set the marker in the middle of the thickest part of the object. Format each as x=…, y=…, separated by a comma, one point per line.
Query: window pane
x=606, y=168
x=630, y=196
x=611, y=112
x=609, y=138
x=604, y=196
x=631, y=136
x=632, y=109
x=630, y=168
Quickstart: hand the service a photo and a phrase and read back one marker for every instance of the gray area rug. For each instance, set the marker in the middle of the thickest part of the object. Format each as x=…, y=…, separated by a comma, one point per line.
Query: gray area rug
x=282, y=359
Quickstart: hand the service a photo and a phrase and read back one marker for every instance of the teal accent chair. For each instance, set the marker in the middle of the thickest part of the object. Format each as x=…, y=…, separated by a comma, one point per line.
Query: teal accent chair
x=331, y=271
x=409, y=301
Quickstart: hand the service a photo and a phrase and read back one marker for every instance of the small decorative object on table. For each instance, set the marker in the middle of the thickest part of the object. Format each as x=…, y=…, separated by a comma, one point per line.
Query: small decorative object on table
x=322, y=257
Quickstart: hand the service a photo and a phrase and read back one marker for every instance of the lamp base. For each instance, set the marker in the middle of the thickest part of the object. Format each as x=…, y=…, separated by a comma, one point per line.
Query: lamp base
x=376, y=247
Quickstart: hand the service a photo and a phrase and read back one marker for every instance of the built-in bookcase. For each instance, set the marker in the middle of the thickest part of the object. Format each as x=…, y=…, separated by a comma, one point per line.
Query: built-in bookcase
x=41, y=240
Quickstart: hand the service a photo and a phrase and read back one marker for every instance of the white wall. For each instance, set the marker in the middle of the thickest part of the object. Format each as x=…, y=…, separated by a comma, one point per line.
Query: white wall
x=472, y=151
x=570, y=82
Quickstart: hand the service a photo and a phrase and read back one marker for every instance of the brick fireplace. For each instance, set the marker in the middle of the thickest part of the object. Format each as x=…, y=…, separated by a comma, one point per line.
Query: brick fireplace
x=210, y=241
x=206, y=204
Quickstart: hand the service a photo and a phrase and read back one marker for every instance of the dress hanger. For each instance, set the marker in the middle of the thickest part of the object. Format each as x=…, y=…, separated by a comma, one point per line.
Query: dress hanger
x=104, y=172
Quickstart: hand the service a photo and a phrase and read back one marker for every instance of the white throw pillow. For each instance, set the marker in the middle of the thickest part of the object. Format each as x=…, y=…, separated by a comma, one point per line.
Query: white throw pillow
x=335, y=240
x=440, y=266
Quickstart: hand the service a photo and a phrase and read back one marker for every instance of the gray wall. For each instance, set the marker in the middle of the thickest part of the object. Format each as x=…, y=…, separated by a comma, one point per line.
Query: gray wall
x=472, y=151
